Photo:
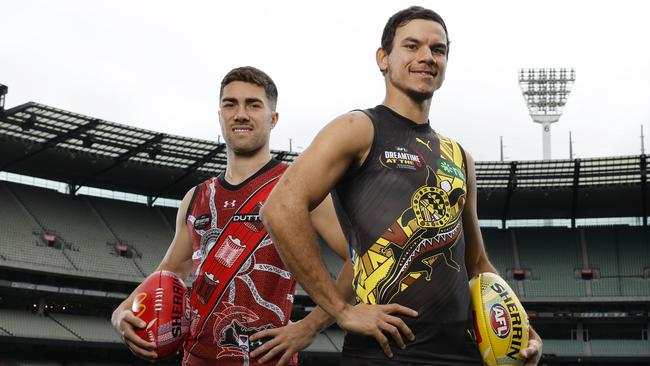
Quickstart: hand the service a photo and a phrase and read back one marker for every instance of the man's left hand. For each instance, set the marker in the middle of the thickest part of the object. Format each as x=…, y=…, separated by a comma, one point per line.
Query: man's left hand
x=286, y=341
x=533, y=352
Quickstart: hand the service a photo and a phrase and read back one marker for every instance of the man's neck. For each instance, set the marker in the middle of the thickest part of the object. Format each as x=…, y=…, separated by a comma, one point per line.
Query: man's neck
x=241, y=167
x=405, y=106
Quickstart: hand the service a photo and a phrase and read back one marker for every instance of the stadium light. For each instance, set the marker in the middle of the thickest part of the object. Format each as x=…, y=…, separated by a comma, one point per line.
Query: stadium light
x=546, y=92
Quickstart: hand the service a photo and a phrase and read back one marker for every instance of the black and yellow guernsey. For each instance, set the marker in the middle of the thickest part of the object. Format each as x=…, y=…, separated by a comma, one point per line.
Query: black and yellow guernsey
x=401, y=212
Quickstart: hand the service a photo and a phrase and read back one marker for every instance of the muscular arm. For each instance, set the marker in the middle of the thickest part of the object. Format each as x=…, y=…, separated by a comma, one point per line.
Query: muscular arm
x=178, y=259
x=326, y=224
x=344, y=142
x=294, y=337
x=302, y=187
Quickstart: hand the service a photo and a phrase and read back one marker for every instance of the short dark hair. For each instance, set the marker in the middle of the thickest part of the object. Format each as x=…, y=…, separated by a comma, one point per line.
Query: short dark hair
x=255, y=76
x=404, y=16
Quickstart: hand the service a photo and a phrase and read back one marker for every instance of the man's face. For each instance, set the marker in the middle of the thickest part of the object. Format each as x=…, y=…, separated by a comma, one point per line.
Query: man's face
x=416, y=65
x=246, y=117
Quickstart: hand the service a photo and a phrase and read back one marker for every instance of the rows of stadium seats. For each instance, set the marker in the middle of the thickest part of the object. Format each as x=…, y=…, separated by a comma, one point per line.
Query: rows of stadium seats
x=19, y=243
x=551, y=260
x=23, y=324
x=598, y=347
x=89, y=228
x=85, y=241
x=553, y=254
x=143, y=229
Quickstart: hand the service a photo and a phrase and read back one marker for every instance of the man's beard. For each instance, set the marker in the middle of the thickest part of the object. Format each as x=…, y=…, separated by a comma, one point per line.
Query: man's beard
x=418, y=97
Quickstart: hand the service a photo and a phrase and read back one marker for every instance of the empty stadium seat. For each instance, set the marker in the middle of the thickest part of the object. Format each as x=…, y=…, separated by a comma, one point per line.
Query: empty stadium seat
x=498, y=246
x=88, y=328
x=563, y=347
x=620, y=254
x=24, y=324
x=552, y=254
x=619, y=347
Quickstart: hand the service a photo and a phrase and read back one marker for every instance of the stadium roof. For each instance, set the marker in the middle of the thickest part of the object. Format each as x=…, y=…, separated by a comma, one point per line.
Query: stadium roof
x=50, y=143
x=580, y=188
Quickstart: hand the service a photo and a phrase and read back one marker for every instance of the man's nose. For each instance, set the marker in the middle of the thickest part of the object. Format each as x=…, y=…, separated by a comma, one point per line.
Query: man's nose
x=241, y=114
x=426, y=55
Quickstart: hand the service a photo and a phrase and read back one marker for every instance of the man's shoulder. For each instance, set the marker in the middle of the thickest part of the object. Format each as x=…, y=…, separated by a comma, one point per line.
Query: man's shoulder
x=206, y=182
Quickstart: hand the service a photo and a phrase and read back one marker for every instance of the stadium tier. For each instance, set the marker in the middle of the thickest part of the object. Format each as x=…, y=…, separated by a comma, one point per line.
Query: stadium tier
x=110, y=239
x=91, y=237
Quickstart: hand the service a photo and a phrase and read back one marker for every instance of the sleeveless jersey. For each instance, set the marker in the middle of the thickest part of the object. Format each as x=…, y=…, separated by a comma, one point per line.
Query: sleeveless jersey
x=401, y=212
x=256, y=291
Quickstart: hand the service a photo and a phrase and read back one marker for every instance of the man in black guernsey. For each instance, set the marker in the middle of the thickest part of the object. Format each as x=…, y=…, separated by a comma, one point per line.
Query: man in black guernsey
x=405, y=196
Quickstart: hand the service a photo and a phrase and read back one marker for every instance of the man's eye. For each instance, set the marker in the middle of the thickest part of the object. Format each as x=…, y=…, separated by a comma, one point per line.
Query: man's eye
x=411, y=46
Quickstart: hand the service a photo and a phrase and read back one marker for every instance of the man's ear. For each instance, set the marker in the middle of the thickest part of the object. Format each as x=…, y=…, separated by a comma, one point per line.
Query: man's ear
x=274, y=119
x=382, y=60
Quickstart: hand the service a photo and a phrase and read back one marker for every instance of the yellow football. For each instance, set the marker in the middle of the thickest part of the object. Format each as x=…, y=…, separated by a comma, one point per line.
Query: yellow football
x=500, y=322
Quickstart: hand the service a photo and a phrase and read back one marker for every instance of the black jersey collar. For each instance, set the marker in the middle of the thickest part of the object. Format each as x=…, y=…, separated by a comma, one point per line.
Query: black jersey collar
x=407, y=122
x=233, y=187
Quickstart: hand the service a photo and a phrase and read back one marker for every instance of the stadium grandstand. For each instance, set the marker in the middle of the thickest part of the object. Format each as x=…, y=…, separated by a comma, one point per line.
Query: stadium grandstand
x=87, y=210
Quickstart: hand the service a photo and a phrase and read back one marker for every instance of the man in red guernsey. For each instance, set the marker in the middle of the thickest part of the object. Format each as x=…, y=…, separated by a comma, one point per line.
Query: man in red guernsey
x=242, y=287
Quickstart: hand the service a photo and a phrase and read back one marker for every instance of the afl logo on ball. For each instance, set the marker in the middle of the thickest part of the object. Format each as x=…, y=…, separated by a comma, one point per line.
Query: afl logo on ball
x=500, y=320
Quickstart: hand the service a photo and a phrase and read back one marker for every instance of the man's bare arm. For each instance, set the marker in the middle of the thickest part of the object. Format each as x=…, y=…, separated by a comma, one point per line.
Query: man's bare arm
x=344, y=142
x=297, y=336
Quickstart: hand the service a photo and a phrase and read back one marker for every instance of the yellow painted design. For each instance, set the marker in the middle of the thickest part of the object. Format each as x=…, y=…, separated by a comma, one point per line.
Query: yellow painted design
x=431, y=224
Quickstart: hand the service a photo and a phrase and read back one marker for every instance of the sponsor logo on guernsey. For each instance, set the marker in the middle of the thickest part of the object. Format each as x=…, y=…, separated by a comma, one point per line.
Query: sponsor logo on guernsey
x=252, y=219
x=500, y=320
x=401, y=158
x=246, y=218
x=450, y=168
x=229, y=204
x=202, y=222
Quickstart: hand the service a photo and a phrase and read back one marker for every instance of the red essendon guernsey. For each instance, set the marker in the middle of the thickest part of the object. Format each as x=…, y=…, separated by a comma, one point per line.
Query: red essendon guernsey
x=242, y=285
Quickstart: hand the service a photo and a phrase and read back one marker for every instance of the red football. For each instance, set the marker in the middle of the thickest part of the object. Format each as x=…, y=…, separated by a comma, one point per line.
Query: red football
x=162, y=301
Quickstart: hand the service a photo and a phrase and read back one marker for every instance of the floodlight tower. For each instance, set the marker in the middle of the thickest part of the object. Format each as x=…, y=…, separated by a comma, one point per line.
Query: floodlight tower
x=546, y=92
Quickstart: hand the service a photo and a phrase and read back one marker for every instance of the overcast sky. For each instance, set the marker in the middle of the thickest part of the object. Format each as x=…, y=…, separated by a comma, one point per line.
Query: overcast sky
x=157, y=65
